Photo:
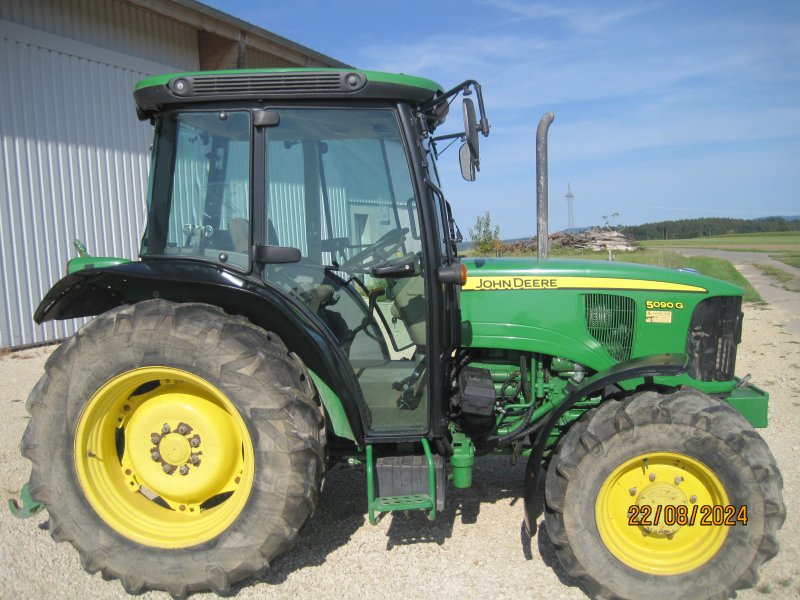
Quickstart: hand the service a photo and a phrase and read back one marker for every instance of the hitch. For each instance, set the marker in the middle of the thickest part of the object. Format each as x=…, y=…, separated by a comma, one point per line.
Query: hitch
x=28, y=508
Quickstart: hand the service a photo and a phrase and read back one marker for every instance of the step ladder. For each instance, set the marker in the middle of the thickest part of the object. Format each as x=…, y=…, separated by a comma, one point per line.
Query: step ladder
x=411, y=482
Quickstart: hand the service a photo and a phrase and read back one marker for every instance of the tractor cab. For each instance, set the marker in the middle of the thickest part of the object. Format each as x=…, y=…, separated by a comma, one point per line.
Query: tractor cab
x=335, y=204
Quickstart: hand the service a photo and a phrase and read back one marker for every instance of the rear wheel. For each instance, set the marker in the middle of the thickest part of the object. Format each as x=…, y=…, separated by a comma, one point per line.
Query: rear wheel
x=630, y=495
x=176, y=447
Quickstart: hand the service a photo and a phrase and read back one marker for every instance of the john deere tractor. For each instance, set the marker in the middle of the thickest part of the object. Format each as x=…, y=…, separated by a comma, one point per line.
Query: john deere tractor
x=299, y=301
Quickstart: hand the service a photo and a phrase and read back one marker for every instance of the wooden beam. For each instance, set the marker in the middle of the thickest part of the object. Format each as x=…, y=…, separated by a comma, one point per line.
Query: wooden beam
x=217, y=52
x=209, y=20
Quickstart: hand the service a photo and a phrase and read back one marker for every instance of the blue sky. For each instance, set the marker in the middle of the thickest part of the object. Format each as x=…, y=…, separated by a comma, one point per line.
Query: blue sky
x=664, y=109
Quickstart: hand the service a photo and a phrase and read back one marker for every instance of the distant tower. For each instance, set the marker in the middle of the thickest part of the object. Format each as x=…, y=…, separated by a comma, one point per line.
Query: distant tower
x=570, y=197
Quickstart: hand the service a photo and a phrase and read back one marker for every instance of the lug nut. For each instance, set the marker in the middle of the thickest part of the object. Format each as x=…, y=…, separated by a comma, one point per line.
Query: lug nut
x=678, y=480
x=693, y=499
x=652, y=476
x=166, y=428
x=154, y=454
x=184, y=470
x=167, y=469
x=194, y=459
x=155, y=438
x=632, y=491
x=194, y=441
x=183, y=428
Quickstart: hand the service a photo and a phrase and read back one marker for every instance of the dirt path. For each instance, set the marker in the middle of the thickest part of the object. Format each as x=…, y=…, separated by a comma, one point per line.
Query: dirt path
x=474, y=549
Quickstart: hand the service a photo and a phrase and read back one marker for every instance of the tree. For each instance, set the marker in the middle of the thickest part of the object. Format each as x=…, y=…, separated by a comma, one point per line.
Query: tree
x=485, y=240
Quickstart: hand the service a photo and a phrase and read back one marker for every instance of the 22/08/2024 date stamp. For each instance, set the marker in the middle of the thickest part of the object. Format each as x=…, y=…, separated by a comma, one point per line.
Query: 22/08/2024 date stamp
x=716, y=515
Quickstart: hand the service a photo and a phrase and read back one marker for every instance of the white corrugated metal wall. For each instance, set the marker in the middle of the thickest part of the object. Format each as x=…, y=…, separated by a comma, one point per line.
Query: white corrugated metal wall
x=73, y=155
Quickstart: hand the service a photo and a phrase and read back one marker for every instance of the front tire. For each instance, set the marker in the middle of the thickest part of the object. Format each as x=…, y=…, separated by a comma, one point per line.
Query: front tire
x=684, y=450
x=176, y=447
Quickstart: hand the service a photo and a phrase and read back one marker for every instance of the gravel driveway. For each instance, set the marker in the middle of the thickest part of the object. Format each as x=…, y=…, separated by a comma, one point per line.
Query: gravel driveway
x=475, y=549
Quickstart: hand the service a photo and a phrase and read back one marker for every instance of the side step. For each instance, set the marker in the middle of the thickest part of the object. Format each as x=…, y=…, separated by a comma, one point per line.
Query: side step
x=405, y=483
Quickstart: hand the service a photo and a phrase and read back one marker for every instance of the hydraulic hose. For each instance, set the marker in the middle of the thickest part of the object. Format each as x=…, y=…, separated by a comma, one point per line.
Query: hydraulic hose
x=526, y=428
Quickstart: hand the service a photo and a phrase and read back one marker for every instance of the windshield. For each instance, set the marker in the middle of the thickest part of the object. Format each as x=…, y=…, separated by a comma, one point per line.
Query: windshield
x=200, y=202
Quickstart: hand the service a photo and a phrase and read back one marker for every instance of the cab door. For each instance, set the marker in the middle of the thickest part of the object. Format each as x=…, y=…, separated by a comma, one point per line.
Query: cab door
x=339, y=188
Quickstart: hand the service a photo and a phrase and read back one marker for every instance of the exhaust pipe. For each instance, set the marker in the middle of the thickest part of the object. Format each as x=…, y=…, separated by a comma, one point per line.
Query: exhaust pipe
x=542, y=236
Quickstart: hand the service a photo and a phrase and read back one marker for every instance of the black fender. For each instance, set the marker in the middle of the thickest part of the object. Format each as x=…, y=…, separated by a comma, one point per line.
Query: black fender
x=90, y=292
x=644, y=366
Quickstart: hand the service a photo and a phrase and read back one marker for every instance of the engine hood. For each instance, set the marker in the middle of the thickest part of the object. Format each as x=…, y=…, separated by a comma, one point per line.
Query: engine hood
x=530, y=273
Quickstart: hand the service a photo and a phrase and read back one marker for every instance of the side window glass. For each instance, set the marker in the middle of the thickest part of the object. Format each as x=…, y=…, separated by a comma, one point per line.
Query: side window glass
x=209, y=195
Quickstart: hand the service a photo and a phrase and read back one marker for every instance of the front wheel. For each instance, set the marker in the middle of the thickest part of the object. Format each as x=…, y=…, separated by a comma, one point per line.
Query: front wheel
x=175, y=446
x=663, y=497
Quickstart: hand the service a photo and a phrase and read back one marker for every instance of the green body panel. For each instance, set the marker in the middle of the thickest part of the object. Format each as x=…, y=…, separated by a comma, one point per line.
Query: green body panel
x=376, y=76
x=537, y=313
x=333, y=408
x=752, y=402
x=93, y=262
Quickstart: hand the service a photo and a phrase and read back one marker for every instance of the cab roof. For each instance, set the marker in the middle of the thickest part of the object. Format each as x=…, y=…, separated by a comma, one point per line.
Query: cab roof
x=157, y=93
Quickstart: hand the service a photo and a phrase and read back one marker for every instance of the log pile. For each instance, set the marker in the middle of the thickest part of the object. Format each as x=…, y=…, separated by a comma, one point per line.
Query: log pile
x=597, y=240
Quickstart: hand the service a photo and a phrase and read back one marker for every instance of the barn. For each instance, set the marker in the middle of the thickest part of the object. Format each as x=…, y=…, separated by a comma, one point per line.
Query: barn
x=73, y=155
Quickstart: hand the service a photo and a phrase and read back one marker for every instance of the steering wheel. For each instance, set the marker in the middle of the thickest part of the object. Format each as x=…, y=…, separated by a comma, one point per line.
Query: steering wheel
x=377, y=252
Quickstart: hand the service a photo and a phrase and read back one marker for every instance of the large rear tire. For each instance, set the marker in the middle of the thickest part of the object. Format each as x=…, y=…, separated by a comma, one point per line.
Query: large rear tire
x=178, y=448
x=683, y=450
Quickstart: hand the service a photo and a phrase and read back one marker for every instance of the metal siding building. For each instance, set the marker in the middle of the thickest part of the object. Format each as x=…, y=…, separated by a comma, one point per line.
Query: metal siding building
x=73, y=156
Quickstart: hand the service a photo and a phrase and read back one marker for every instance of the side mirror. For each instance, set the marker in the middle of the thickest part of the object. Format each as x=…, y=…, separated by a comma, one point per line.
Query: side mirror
x=471, y=130
x=467, y=162
x=469, y=153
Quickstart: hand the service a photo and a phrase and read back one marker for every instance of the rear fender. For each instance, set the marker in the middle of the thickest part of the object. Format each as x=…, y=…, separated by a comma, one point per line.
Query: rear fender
x=90, y=292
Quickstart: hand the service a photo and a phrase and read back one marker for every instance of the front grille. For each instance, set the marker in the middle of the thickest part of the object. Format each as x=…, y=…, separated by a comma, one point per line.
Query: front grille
x=714, y=334
x=611, y=321
x=268, y=84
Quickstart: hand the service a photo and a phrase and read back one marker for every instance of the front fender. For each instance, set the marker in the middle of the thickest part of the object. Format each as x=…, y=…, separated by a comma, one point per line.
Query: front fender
x=635, y=368
x=90, y=292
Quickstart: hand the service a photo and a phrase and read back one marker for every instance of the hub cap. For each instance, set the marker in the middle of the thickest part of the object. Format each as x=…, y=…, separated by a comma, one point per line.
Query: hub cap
x=650, y=483
x=164, y=457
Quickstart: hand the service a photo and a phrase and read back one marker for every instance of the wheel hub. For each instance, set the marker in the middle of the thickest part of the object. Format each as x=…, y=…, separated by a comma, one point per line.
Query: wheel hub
x=658, y=496
x=174, y=449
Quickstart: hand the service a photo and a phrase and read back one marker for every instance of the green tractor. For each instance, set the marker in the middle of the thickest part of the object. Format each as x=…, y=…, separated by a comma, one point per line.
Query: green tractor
x=299, y=302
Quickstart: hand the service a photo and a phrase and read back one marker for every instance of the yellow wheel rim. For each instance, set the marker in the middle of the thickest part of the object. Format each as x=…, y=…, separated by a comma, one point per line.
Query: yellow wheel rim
x=164, y=457
x=672, y=546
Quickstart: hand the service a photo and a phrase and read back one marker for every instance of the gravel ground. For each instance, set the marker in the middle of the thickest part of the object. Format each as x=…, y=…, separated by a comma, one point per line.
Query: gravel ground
x=476, y=548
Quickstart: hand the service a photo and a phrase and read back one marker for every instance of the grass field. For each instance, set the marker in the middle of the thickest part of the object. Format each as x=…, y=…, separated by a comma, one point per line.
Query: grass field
x=791, y=258
x=779, y=241
x=713, y=267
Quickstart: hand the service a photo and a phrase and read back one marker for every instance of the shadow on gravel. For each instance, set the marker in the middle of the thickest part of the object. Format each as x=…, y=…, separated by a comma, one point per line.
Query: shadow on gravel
x=549, y=557
x=342, y=511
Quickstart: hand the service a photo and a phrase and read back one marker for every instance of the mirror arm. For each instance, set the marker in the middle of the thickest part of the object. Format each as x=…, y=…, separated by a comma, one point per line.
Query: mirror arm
x=449, y=136
x=463, y=87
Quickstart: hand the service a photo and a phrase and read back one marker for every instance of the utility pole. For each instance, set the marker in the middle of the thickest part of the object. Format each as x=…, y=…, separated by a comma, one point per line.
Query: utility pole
x=570, y=216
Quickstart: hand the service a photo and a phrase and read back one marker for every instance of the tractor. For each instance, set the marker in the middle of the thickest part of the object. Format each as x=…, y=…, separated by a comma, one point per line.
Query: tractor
x=299, y=302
